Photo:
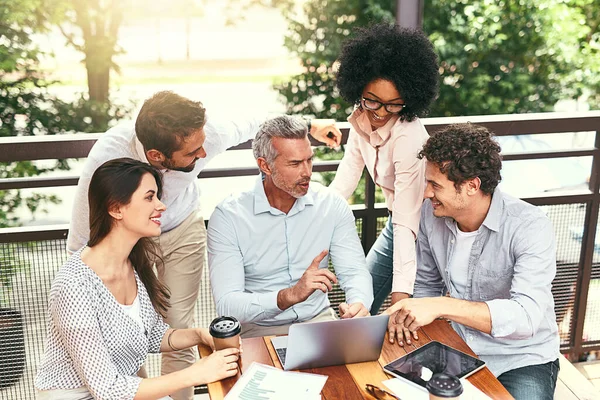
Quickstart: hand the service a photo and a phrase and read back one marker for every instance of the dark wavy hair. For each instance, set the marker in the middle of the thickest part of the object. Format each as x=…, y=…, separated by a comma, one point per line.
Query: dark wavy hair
x=112, y=185
x=463, y=152
x=166, y=120
x=385, y=51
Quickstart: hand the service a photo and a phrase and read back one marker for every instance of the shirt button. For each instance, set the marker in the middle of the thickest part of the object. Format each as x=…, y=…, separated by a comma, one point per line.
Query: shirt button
x=452, y=241
x=470, y=337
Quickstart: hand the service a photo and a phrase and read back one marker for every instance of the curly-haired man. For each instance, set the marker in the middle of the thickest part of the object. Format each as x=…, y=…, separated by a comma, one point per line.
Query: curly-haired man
x=496, y=257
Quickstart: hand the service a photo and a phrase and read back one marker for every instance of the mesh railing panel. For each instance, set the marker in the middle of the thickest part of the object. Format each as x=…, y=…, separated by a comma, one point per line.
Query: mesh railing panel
x=568, y=220
x=591, y=325
x=27, y=294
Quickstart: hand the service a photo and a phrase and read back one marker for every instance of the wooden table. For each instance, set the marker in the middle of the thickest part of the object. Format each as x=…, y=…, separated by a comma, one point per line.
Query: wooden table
x=348, y=381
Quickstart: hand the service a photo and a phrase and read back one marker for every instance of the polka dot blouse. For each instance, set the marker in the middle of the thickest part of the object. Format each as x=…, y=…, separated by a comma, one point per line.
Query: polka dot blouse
x=91, y=341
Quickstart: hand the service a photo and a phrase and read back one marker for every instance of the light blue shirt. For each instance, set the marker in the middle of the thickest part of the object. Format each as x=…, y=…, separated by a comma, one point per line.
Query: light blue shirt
x=255, y=250
x=511, y=267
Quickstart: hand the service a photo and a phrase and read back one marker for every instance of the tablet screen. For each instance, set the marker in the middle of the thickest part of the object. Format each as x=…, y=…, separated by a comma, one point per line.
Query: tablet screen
x=432, y=358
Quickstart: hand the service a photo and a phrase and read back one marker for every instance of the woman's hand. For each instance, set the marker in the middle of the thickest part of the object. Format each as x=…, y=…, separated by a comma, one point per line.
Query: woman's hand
x=219, y=365
x=205, y=337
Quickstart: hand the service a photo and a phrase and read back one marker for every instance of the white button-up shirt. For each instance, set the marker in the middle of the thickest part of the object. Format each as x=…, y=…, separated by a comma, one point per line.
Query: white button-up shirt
x=180, y=190
x=255, y=250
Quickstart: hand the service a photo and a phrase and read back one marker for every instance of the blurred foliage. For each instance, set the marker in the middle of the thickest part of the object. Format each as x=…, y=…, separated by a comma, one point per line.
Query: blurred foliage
x=510, y=56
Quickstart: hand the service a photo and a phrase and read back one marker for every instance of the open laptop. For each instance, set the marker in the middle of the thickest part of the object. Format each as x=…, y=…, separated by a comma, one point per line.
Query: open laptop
x=325, y=343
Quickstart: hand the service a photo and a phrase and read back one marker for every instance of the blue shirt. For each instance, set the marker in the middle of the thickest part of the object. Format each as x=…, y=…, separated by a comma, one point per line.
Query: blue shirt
x=255, y=250
x=511, y=267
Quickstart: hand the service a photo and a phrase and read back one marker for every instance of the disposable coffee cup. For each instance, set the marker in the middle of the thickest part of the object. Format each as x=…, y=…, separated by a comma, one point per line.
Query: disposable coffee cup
x=225, y=332
x=444, y=387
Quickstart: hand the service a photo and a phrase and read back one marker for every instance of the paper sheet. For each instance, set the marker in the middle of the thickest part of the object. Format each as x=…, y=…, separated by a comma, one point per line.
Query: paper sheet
x=262, y=382
x=406, y=390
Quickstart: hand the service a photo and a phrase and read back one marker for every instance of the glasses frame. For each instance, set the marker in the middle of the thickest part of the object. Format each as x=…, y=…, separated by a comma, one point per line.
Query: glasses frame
x=384, y=105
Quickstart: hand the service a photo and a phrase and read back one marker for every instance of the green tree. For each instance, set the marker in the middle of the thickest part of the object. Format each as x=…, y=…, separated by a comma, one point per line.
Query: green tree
x=91, y=27
x=495, y=57
x=578, y=41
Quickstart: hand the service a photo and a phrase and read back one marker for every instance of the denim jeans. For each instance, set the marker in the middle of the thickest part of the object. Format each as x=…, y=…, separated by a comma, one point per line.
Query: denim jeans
x=532, y=382
x=380, y=264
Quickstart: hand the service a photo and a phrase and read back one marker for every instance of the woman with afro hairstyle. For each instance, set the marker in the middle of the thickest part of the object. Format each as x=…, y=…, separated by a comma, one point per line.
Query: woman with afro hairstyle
x=391, y=74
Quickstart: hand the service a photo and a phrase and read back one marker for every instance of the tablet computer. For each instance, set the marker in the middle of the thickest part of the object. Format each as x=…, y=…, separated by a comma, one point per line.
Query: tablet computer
x=418, y=366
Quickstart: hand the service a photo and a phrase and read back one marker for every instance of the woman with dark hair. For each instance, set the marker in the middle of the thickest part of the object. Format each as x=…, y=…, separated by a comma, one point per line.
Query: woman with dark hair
x=106, y=304
x=391, y=74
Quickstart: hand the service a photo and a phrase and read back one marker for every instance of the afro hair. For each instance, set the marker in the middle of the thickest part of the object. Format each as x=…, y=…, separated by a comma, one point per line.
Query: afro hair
x=385, y=51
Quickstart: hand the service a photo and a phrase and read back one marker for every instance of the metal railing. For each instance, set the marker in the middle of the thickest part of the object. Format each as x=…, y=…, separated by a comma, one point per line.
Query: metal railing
x=578, y=259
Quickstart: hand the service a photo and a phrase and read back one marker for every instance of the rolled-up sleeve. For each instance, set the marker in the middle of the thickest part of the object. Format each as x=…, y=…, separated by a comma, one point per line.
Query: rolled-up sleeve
x=224, y=133
x=534, y=250
x=409, y=185
x=348, y=258
x=82, y=337
x=429, y=281
x=350, y=169
x=227, y=276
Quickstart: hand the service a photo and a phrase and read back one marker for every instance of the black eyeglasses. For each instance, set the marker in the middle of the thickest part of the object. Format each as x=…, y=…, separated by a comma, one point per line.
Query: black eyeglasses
x=379, y=393
x=375, y=105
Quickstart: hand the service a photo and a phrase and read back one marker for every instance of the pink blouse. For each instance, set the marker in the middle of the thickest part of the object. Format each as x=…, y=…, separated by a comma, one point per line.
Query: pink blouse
x=390, y=155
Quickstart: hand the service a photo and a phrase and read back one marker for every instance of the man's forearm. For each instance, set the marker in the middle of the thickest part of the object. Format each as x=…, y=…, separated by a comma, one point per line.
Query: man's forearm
x=473, y=314
x=286, y=299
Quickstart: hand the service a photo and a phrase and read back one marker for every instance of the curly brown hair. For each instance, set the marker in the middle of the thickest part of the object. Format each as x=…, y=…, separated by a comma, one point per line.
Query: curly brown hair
x=463, y=152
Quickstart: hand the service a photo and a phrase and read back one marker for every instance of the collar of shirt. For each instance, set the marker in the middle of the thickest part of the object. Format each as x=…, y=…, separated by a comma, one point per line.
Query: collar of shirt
x=261, y=203
x=494, y=216
x=361, y=124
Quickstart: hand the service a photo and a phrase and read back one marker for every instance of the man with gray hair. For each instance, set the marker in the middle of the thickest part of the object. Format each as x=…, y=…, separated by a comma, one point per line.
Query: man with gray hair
x=269, y=248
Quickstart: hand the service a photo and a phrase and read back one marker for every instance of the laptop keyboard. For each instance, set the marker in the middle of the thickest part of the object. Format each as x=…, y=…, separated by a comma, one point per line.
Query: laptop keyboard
x=281, y=353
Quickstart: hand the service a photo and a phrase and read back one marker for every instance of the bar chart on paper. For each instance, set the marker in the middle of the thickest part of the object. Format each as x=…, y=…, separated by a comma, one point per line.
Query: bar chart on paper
x=262, y=382
x=252, y=390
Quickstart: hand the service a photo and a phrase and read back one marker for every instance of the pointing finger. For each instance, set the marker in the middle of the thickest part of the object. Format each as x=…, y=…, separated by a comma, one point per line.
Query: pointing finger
x=317, y=260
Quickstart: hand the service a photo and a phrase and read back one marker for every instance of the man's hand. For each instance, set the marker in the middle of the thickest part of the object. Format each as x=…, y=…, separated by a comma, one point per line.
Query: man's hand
x=314, y=278
x=415, y=313
x=325, y=131
x=398, y=331
x=353, y=310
